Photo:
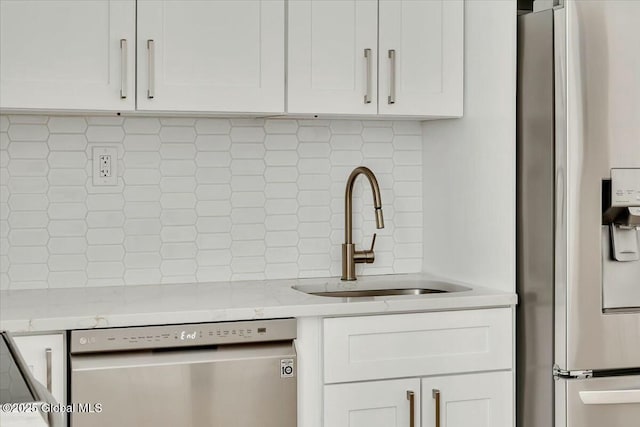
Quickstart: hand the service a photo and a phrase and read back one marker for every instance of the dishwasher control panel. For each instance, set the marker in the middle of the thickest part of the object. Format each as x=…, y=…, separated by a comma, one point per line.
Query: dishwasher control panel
x=186, y=335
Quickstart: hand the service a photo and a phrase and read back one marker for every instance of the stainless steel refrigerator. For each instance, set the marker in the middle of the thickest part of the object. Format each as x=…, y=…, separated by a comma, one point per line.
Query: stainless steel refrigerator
x=578, y=320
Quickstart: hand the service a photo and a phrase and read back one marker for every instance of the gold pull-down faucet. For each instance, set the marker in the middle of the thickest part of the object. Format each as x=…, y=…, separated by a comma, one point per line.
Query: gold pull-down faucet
x=350, y=256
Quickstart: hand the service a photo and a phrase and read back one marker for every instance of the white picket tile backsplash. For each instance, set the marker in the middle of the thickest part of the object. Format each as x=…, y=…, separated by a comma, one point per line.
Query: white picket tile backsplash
x=200, y=199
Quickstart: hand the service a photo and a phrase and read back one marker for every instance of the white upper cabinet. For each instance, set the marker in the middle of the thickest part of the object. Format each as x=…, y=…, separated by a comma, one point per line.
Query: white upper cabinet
x=413, y=65
x=67, y=54
x=421, y=57
x=332, y=58
x=211, y=55
x=377, y=58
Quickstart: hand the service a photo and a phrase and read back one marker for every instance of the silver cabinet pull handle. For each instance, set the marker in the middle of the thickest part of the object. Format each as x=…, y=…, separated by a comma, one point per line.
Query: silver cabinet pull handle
x=123, y=69
x=436, y=396
x=151, y=91
x=367, y=57
x=48, y=354
x=411, y=397
x=392, y=77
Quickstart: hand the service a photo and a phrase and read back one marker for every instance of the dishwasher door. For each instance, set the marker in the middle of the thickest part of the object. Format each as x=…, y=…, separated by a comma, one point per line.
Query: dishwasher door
x=243, y=385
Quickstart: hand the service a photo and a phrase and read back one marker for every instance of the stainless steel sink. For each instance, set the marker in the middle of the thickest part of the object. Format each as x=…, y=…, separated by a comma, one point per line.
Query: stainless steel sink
x=380, y=290
x=377, y=292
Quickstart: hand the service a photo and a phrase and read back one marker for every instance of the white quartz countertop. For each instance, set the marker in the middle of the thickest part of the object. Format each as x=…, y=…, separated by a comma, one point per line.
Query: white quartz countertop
x=101, y=307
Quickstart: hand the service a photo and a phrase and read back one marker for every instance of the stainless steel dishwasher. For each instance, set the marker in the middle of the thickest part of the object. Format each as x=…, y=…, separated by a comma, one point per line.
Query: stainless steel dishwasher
x=231, y=374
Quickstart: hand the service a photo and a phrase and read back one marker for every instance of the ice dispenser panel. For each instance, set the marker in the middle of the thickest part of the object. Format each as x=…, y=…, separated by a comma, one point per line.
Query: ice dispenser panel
x=621, y=240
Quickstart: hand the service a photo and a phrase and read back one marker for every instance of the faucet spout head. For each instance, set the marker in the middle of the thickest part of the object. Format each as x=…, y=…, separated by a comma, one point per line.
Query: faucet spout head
x=379, y=218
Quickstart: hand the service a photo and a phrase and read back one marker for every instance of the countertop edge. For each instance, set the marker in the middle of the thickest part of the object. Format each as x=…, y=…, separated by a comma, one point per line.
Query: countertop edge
x=280, y=301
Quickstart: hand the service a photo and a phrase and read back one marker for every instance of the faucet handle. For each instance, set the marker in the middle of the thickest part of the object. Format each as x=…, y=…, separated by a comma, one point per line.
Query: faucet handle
x=366, y=256
x=373, y=242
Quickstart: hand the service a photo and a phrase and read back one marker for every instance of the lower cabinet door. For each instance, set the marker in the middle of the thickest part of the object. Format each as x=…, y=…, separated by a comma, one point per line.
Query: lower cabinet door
x=474, y=400
x=373, y=404
x=46, y=358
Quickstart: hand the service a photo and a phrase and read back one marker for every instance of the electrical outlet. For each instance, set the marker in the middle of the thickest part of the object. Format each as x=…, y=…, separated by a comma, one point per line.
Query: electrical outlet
x=105, y=165
x=105, y=160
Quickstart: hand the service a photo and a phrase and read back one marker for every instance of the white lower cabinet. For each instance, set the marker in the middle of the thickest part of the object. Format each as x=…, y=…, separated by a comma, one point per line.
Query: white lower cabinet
x=373, y=404
x=45, y=356
x=455, y=369
x=474, y=400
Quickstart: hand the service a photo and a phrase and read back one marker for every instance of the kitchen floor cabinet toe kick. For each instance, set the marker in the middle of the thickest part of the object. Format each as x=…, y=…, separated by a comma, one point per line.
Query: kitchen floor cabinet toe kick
x=440, y=369
x=368, y=58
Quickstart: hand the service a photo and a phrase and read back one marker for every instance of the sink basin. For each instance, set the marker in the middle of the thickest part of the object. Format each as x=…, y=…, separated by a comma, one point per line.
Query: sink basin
x=380, y=290
x=357, y=293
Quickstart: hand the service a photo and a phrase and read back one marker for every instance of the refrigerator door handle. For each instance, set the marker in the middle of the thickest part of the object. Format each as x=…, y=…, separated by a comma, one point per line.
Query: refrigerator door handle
x=610, y=397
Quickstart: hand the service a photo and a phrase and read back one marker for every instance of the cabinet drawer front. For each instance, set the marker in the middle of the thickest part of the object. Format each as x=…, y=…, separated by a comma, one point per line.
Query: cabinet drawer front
x=404, y=345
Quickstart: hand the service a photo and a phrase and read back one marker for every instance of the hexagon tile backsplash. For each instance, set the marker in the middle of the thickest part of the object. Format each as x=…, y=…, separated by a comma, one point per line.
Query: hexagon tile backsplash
x=200, y=200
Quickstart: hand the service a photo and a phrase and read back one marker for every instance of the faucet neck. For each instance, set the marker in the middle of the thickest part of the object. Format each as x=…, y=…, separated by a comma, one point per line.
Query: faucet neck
x=348, y=201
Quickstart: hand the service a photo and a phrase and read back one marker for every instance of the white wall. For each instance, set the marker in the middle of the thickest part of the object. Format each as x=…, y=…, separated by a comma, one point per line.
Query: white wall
x=469, y=163
x=200, y=200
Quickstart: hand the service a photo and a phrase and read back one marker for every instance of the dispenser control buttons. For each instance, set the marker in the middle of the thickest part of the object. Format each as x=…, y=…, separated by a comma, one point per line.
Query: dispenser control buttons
x=625, y=187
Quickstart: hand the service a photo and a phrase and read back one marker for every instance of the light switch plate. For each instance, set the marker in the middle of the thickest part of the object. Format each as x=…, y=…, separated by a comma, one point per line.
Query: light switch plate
x=105, y=166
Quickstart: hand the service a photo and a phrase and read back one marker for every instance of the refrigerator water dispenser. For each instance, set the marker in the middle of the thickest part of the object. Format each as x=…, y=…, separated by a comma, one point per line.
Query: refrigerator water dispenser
x=621, y=240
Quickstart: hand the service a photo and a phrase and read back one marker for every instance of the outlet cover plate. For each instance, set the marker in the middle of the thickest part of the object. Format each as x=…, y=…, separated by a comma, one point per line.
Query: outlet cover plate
x=112, y=153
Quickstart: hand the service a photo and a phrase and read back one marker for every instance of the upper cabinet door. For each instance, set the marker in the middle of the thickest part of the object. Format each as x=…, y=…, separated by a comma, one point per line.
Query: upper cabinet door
x=421, y=57
x=332, y=59
x=211, y=55
x=67, y=55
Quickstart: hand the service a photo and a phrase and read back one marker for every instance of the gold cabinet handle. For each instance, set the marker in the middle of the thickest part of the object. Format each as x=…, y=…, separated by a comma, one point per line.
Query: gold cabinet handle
x=48, y=353
x=436, y=396
x=392, y=77
x=367, y=95
x=151, y=91
x=411, y=397
x=123, y=69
